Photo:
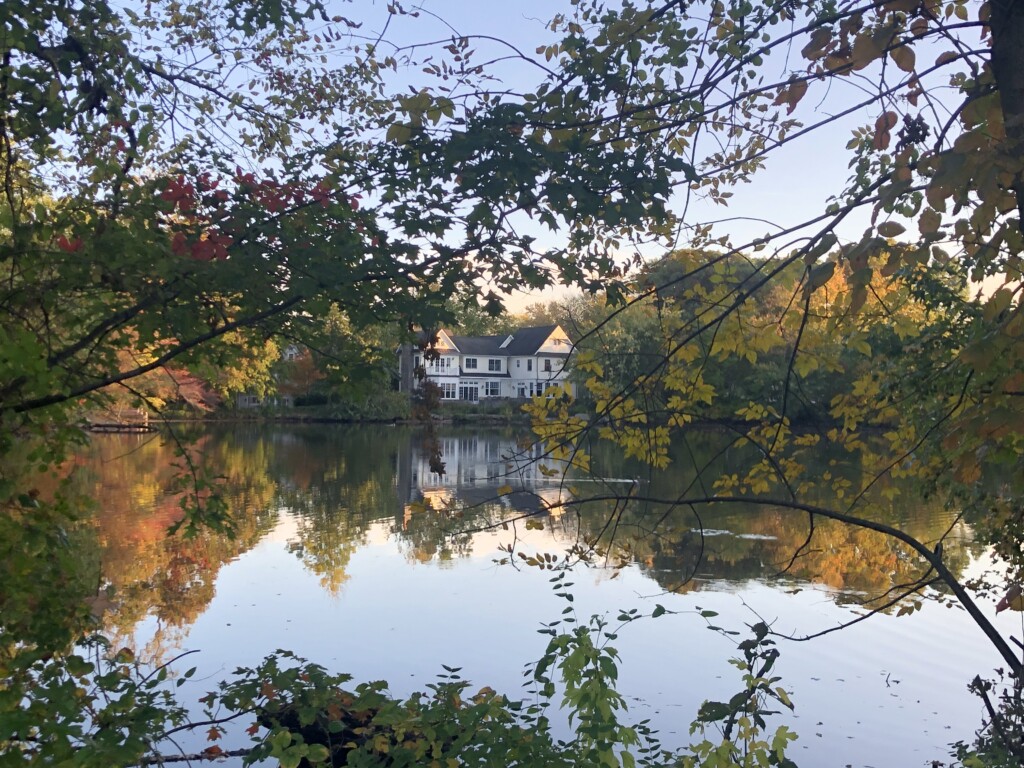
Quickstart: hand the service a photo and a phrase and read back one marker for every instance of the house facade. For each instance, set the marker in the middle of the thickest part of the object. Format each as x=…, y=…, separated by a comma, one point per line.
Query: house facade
x=473, y=368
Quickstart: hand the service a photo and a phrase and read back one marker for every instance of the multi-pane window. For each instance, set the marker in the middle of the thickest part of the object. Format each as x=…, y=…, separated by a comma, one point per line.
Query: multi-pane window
x=470, y=363
x=529, y=365
x=492, y=389
x=448, y=390
x=547, y=366
x=494, y=364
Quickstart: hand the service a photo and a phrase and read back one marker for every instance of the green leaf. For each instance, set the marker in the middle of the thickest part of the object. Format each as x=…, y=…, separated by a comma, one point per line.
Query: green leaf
x=399, y=133
x=317, y=753
x=891, y=229
x=818, y=276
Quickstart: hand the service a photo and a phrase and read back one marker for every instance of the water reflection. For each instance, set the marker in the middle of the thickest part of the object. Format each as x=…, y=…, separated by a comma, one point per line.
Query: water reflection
x=338, y=484
x=351, y=552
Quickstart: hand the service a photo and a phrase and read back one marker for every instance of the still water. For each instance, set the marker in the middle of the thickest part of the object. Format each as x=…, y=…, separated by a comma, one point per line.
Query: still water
x=352, y=553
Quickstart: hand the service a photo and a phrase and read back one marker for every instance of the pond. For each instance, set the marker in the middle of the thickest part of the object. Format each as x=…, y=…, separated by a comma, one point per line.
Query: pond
x=352, y=553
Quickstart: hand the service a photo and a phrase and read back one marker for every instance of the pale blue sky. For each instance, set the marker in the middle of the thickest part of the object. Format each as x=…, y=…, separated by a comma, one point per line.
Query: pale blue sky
x=798, y=179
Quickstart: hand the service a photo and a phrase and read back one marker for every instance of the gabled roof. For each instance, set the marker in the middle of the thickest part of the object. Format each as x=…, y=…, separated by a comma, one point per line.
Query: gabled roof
x=479, y=345
x=526, y=341
x=442, y=337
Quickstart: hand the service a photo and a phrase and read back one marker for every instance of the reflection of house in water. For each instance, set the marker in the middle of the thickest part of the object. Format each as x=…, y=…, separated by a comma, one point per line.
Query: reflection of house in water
x=476, y=467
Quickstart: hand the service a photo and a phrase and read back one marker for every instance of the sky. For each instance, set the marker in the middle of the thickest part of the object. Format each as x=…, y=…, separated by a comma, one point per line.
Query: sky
x=796, y=183
x=521, y=23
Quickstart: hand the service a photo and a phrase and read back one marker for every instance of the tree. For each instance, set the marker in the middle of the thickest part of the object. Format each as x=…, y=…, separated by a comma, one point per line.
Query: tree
x=652, y=116
x=171, y=177
x=134, y=219
x=151, y=204
x=239, y=362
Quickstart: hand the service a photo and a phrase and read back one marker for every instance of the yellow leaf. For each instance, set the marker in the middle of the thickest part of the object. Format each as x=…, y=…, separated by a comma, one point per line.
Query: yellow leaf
x=904, y=57
x=893, y=264
x=796, y=92
x=820, y=38
x=929, y=222
x=858, y=297
x=966, y=469
x=997, y=303
x=865, y=50
x=505, y=490
x=819, y=275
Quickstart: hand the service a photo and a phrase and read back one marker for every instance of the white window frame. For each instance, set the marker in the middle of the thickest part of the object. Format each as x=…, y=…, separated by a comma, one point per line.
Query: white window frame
x=492, y=389
x=469, y=363
x=494, y=364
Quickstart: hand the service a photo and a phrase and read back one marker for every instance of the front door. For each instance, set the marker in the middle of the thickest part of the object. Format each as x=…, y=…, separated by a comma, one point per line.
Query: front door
x=470, y=392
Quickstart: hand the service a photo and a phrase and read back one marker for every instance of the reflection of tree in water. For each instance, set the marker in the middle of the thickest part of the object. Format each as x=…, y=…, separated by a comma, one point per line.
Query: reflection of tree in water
x=341, y=483
x=337, y=482
x=684, y=548
x=445, y=530
x=151, y=574
x=489, y=478
x=738, y=543
x=325, y=540
x=434, y=528
x=765, y=543
x=427, y=538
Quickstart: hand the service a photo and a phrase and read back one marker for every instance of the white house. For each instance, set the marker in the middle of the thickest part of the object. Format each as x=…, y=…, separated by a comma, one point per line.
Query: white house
x=473, y=368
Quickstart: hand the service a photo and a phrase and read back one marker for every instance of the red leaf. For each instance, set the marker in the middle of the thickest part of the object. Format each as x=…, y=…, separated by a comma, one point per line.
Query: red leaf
x=882, y=126
x=321, y=194
x=69, y=246
x=203, y=250
x=179, y=246
x=179, y=192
